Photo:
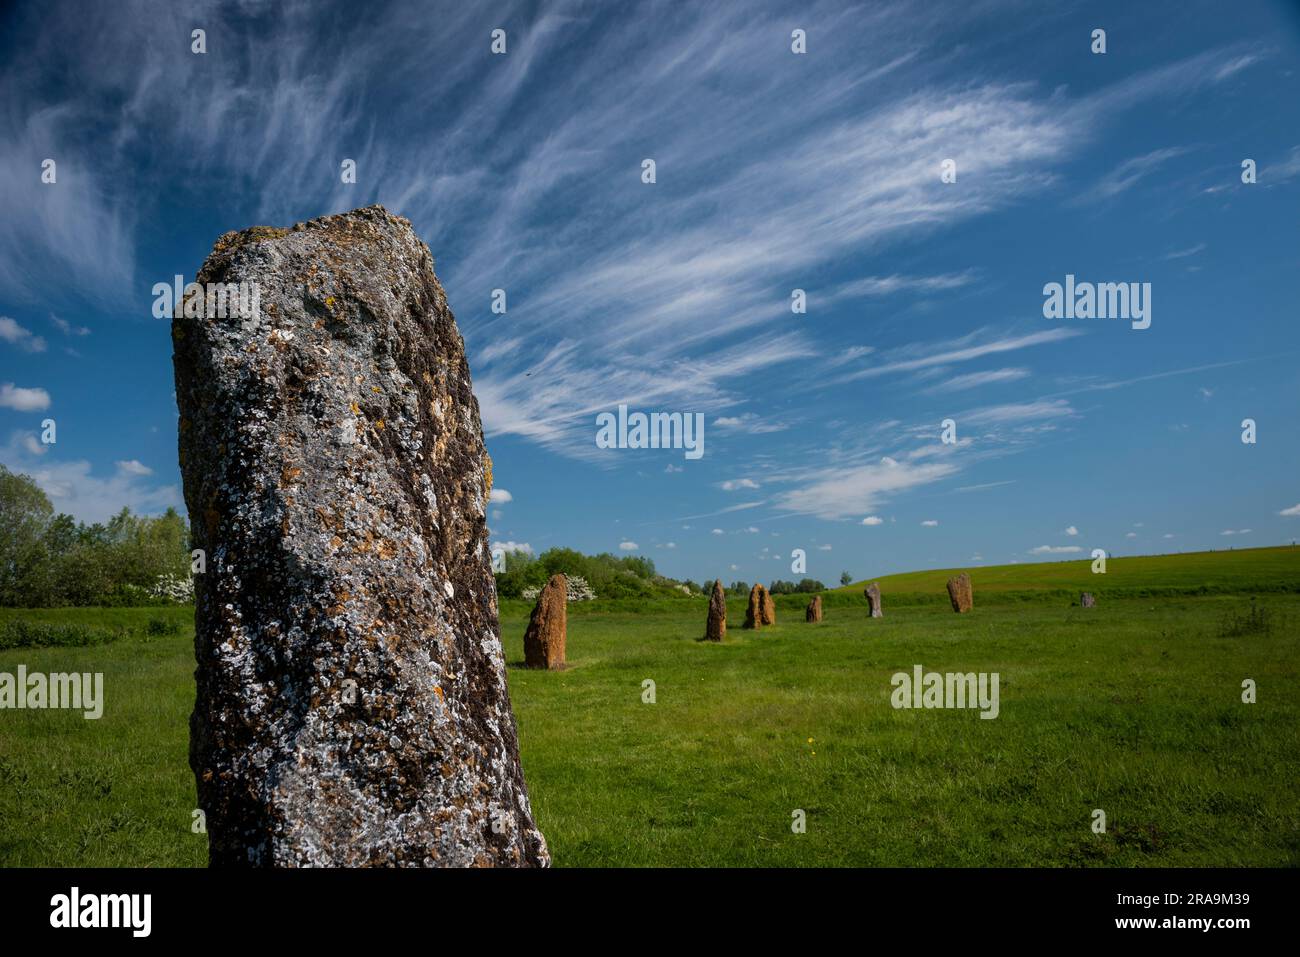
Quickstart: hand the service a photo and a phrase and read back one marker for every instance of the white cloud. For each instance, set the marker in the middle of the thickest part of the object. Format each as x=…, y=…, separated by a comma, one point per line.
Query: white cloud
x=134, y=467
x=823, y=548
x=1167, y=535
x=732, y=485
x=930, y=523
x=1055, y=550
x=850, y=490
x=23, y=400
x=512, y=547
x=1071, y=530
x=1293, y=511
x=748, y=423
x=1240, y=531
x=873, y=520
x=974, y=380
x=67, y=328
x=752, y=530
x=500, y=496
x=668, y=545
x=670, y=468
x=1131, y=535
x=888, y=285
x=626, y=546
x=718, y=531
x=20, y=336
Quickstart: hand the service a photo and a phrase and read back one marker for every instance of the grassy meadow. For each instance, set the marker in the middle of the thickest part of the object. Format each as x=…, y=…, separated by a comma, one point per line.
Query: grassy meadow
x=1133, y=707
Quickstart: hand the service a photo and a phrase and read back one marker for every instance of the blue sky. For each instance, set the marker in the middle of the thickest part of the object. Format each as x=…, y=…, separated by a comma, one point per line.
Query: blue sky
x=774, y=171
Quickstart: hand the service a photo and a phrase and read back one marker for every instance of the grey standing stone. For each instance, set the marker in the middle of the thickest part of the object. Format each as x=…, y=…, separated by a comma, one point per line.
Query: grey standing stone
x=1086, y=600
x=352, y=706
x=872, y=592
x=715, y=629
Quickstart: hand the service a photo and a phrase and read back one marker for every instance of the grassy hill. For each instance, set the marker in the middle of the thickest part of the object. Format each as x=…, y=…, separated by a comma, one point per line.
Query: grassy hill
x=1240, y=571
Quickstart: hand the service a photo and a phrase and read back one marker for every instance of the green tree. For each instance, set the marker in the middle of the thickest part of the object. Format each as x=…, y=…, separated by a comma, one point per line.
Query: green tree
x=846, y=578
x=25, y=514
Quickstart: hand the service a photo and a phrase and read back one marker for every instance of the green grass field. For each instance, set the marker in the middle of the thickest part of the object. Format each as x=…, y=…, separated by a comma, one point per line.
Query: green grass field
x=1133, y=707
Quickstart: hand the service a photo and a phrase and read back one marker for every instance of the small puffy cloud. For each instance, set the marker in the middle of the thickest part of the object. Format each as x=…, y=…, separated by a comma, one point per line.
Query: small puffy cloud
x=1291, y=512
x=512, y=547
x=500, y=496
x=732, y=485
x=1240, y=531
x=20, y=336
x=23, y=400
x=752, y=530
x=1131, y=535
x=1071, y=530
x=733, y=567
x=134, y=467
x=718, y=531
x=930, y=523
x=31, y=445
x=668, y=545
x=823, y=548
x=1206, y=393
x=873, y=520
x=67, y=328
x=1055, y=550
x=1167, y=535
x=626, y=546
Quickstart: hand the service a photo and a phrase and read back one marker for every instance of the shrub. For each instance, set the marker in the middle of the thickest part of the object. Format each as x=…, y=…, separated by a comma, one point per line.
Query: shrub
x=21, y=633
x=1257, y=621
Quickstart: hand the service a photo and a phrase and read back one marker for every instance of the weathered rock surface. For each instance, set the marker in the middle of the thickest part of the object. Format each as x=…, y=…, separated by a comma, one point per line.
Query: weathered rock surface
x=351, y=704
x=959, y=593
x=754, y=610
x=768, y=607
x=716, y=628
x=547, y=627
x=872, y=592
x=1086, y=600
x=814, y=610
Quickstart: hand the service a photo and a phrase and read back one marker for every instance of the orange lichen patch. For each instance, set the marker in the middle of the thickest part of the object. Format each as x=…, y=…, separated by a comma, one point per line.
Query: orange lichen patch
x=336, y=542
x=487, y=474
x=288, y=474
x=374, y=388
x=379, y=424
x=356, y=409
x=385, y=549
x=437, y=689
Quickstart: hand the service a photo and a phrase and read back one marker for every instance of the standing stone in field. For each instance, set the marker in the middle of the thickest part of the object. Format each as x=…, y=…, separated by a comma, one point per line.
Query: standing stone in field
x=716, y=628
x=872, y=592
x=544, y=639
x=814, y=611
x=768, y=607
x=754, y=611
x=351, y=704
x=1086, y=600
x=959, y=593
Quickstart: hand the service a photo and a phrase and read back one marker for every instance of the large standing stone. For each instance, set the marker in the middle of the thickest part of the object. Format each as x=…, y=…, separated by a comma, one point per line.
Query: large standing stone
x=768, y=607
x=959, y=593
x=814, y=610
x=544, y=638
x=716, y=628
x=351, y=704
x=872, y=592
x=754, y=610
x=1086, y=600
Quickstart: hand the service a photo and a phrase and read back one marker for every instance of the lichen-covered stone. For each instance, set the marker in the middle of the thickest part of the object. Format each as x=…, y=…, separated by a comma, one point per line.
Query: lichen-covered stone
x=1086, y=600
x=872, y=592
x=352, y=706
x=545, y=636
x=716, y=627
x=813, y=612
x=959, y=593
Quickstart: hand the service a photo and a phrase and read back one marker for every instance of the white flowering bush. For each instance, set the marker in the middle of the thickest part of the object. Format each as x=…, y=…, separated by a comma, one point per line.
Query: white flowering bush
x=174, y=588
x=578, y=589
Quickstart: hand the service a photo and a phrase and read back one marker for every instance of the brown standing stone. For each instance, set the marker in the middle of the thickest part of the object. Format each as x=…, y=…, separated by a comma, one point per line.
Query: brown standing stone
x=768, y=607
x=872, y=592
x=1086, y=600
x=716, y=629
x=351, y=705
x=814, y=612
x=959, y=592
x=754, y=610
x=544, y=639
